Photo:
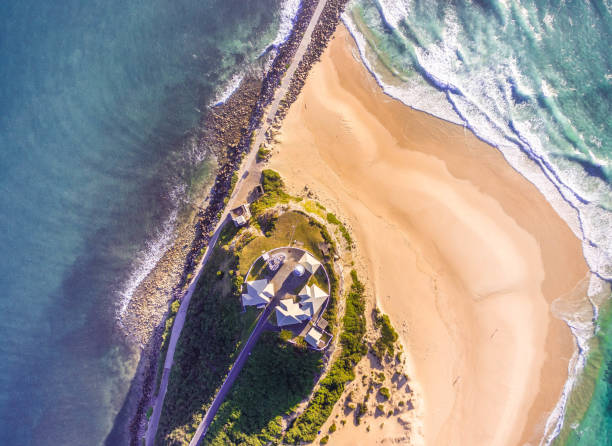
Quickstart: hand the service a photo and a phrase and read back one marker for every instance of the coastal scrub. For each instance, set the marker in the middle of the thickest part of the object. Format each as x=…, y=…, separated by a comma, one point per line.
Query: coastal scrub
x=306, y=426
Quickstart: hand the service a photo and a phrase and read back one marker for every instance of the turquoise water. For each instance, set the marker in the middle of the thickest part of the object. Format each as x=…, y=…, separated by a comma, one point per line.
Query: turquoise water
x=593, y=426
x=95, y=101
x=533, y=78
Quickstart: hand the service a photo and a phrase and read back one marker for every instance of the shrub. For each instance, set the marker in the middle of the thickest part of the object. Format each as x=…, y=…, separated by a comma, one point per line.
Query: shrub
x=274, y=192
x=263, y=153
x=306, y=426
x=332, y=428
x=285, y=335
x=385, y=344
x=384, y=392
x=325, y=439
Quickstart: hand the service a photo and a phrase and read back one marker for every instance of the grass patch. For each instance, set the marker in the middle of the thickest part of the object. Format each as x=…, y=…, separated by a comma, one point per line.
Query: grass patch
x=319, y=279
x=306, y=426
x=174, y=307
x=288, y=227
x=312, y=207
x=331, y=218
x=276, y=378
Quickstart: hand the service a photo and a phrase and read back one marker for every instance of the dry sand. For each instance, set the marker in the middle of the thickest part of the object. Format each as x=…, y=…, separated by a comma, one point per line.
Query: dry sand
x=461, y=251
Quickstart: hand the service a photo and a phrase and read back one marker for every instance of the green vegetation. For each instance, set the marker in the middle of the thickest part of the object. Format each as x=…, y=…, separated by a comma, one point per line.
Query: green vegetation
x=263, y=153
x=165, y=340
x=149, y=413
x=325, y=439
x=313, y=207
x=384, y=392
x=275, y=379
x=285, y=335
x=288, y=227
x=385, y=345
x=274, y=192
x=278, y=374
x=212, y=334
x=306, y=426
x=319, y=279
x=331, y=218
x=332, y=428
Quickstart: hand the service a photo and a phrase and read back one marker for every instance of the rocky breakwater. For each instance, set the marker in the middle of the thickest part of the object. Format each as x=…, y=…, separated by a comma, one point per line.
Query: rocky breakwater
x=227, y=131
x=330, y=17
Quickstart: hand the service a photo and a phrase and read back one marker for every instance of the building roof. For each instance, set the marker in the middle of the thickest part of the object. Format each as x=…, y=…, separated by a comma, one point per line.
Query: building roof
x=258, y=292
x=289, y=312
x=312, y=299
x=309, y=263
x=313, y=337
x=240, y=215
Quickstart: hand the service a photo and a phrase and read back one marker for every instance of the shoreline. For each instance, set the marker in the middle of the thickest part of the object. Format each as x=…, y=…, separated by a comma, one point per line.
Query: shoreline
x=557, y=342
x=519, y=155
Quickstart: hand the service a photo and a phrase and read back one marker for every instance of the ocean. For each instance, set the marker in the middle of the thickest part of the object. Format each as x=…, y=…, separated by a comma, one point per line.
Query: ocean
x=96, y=101
x=534, y=79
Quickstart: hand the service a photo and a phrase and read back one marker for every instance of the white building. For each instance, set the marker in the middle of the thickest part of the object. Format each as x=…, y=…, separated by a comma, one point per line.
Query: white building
x=259, y=292
x=311, y=299
x=309, y=263
x=313, y=337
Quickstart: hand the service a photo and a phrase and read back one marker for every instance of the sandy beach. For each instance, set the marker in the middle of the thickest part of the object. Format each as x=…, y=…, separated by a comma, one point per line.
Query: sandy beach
x=461, y=251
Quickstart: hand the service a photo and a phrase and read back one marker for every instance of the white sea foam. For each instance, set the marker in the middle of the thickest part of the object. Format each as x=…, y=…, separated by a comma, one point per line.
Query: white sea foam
x=148, y=257
x=580, y=315
x=288, y=13
x=231, y=86
x=486, y=105
x=414, y=93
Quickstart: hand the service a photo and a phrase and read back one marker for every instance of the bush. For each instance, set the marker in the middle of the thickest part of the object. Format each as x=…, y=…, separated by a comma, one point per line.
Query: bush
x=285, y=335
x=275, y=379
x=274, y=192
x=332, y=428
x=385, y=344
x=325, y=439
x=384, y=392
x=263, y=153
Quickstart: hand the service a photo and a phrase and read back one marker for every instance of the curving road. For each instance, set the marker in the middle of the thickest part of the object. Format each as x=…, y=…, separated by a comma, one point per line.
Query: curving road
x=249, y=177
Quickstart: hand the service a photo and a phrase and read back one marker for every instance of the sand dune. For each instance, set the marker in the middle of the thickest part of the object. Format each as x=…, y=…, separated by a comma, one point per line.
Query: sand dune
x=462, y=252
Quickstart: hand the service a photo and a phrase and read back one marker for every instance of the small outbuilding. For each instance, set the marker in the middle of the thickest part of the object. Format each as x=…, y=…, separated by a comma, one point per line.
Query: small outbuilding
x=313, y=337
x=240, y=215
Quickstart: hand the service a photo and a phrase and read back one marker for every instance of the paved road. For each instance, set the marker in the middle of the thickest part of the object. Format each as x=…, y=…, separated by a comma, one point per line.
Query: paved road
x=249, y=177
x=232, y=375
x=249, y=181
x=177, y=327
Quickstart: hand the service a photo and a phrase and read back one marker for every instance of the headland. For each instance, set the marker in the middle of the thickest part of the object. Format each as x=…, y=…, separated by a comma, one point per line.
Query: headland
x=463, y=254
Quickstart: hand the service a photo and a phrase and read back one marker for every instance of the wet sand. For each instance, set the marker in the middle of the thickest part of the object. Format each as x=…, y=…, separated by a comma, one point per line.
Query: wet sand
x=461, y=251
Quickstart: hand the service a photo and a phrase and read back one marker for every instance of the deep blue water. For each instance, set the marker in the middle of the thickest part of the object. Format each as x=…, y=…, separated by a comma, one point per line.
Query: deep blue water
x=95, y=100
